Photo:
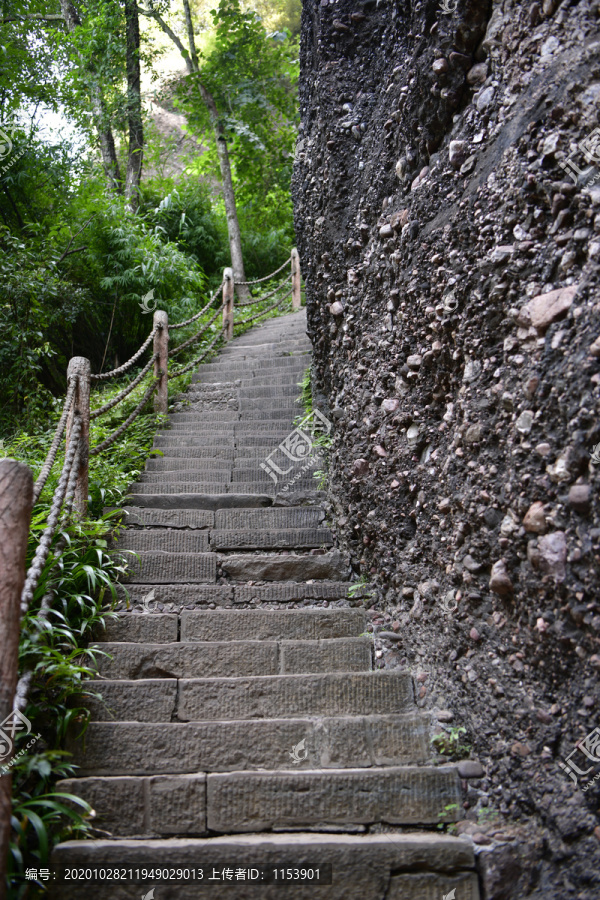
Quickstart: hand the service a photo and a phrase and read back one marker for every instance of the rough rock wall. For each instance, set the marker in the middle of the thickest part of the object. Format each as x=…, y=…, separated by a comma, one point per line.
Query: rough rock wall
x=452, y=269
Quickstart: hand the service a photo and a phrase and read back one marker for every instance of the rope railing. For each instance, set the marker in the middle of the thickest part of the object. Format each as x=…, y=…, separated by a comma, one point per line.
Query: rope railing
x=71, y=491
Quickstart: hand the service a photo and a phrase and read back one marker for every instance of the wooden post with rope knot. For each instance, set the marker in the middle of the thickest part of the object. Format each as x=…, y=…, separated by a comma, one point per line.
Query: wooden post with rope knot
x=228, y=293
x=80, y=366
x=296, y=289
x=16, y=497
x=161, y=361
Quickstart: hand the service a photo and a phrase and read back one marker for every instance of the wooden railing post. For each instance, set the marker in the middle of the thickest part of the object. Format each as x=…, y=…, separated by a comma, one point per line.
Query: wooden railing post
x=16, y=495
x=80, y=366
x=228, y=293
x=161, y=362
x=296, y=290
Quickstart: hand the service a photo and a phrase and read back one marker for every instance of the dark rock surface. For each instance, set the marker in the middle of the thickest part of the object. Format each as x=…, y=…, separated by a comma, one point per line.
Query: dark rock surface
x=452, y=272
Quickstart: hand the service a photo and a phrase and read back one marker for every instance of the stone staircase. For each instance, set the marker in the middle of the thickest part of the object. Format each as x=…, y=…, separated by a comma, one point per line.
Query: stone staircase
x=241, y=723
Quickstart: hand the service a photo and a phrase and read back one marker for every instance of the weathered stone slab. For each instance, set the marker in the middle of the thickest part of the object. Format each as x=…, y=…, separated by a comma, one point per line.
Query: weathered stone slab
x=206, y=474
x=174, y=464
x=329, y=655
x=290, y=592
x=252, y=487
x=171, y=540
x=331, y=566
x=206, y=416
x=153, y=700
x=200, y=501
x=271, y=624
x=209, y=444
x=189, y=660
x=369, y=693
x=172, y=598
x=178, y=487
x=284, y=390
x=362, y=864
x=163, y=805
x=254, y=801
x=147, y=749
x=244, y=519
x=270, y=540
x=135, y=628
x=158, y=567
x=168, y=518
x=185, y=450
x=249, y=472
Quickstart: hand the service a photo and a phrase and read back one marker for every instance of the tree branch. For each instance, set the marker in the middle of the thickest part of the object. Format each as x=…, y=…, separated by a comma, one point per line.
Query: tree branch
x=38, y=16
x=68, y=251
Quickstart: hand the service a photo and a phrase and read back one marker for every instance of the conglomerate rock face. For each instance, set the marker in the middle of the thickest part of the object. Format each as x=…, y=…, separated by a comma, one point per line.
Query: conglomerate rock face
x=452, y=267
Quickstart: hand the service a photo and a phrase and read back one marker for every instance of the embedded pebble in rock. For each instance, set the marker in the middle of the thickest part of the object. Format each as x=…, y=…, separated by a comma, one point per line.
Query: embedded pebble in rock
x=535, y=519
x=552, y=555
x=500, y=581
x=580, y=498
x=457, y=153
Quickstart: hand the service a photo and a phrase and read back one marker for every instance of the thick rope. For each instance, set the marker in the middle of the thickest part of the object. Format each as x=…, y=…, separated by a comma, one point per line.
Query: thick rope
x=129, y=362
x=264, y=312
x=196, y=336
x=198, y=314
x=265, y=296
x=112, y=403
x=60, y=428
x=43, y=548
x=117, y=434
x=198, y=360
x=267, y=277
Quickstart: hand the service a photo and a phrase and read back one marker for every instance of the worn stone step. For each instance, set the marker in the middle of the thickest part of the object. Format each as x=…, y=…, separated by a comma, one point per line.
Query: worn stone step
x=202, y=659
x=133, y=748
x=172, y=598
x=331, y=566
x=256, y=801
x=160, y=567
x=290, y=539
x=199, y=501
x=272, y=624
x=243, y=519
x=398, y=866
x=221, y=625
x=170, y=440
x=296, y=696
x=288, y=592
x=272, y=350
x=206, y=474
x=199, y=464
x=167, y=486
x=255, y=473
x=254, y=393
x=220, y=416
x=167, y=518
x=166, y=539
x=283, y=368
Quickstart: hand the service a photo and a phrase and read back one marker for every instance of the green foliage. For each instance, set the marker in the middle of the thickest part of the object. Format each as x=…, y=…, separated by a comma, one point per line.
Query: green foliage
x=450, y=811
x=448, y=742
x=359, y=589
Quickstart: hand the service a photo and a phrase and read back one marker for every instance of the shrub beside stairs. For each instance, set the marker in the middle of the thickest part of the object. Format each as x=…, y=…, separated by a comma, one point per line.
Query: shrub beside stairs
x=241, y=723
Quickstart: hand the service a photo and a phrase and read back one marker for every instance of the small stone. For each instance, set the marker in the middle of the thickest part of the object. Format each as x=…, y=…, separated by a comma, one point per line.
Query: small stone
x=535, y=519
x=474, y=634
x=474, y=434
x=360, y=467
x=445, y=715
x=336, y=309
x=339, y=26
x=440, y=66
x=390, y=405
x=399, y=219
x=470, y=768
x=543, y=449
x=595, y=348
x=414, y=361
x=386, y=231
x=524, y=423
x=390, y=636
x=480, y=838
x=519, y=748
x=485, y=98
x=445, y=504
x=457, y=153
x=412, y=435
x=543, y=717
x=477, y=74
x=579, y=498
x=547, y=308
x=379, y=450
x=500, y=582
x=552, y=555
x=472, y=370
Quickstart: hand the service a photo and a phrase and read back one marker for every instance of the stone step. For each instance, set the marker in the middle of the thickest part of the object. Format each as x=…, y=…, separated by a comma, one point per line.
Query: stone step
x=283, y=365
x=206, y=475
x=246, y=624
x=343, y=742
x=166, y=539
x=244, y=519
x=331, y=566
x=248, y=801
x=287, y=592
x=256, y=697
x=397, y=866
x=177, y=597
x=166, y=486
x=284, y=539
x=253, y=393
x=199, y=464
x=168, y=518
x=200, y=501
x=272, y=350
x=160, y=567
x=203, y=659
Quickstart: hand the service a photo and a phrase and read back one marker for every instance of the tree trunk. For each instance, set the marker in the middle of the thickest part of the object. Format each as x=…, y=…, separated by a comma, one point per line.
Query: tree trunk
x=134, y=107
x=105, y=135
